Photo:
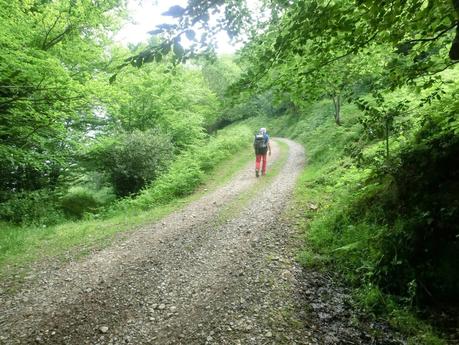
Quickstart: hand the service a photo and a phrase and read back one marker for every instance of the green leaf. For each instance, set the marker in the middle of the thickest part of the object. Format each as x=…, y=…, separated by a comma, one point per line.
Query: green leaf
x=112, y=78
x=349, y=247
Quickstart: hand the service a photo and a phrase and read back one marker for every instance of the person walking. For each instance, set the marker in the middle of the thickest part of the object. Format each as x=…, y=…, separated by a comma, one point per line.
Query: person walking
x=262, y=146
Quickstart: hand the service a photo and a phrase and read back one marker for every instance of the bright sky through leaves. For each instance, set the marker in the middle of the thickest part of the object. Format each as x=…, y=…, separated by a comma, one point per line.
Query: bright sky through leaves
x=144, y=15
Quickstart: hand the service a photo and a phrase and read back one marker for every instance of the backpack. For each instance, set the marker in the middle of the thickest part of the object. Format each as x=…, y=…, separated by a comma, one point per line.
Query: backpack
x=261, y=144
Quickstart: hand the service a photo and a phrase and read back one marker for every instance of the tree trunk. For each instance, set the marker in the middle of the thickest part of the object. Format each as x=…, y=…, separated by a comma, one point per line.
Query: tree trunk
x=387, y=138
x=454, y=51
x=337, y=103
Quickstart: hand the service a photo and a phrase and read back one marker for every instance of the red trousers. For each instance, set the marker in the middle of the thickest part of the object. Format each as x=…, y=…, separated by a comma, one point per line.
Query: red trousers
x=259, y=158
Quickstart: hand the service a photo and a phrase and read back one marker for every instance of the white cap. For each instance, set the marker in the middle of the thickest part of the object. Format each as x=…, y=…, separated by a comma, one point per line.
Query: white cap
x=263, y=130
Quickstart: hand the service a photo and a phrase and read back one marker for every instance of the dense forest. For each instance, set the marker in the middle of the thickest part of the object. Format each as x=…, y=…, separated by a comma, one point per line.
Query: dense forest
x=90, y=130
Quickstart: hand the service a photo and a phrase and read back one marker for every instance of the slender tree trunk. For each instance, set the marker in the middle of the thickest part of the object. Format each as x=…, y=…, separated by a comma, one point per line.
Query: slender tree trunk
x=338, y=113
x=387, y=138
x=337, y=103
x=454, y=51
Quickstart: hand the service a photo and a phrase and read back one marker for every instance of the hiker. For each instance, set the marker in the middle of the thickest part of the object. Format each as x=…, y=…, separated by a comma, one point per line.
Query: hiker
x=262, y=146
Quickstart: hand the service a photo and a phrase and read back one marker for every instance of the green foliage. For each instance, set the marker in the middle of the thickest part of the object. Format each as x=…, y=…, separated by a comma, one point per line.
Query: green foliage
x=80, y=200
x=23, y=244
x=189, y=168
x=220, y=74
x=372, y=299
x=48, y=52
x=173, y=98
x=426, y=207
x=132, y=160
x=77, y=201
x=419, y=331
x=387, y=224
x=55, y=99
x=314, y=47
x=39, y=207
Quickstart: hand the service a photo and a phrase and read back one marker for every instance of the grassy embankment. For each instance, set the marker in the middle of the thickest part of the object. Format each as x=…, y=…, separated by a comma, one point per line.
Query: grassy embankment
x=194, y=173
x=341, y=211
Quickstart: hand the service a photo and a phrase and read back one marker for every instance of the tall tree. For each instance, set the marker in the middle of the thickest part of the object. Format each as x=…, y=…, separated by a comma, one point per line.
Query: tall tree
x=49, y=52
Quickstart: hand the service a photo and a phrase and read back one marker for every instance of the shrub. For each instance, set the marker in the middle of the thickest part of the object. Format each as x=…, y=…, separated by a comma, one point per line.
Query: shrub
x=36, y=207
x=424, y=238
x=80, y=200
x=188, y=169
x=133, y=159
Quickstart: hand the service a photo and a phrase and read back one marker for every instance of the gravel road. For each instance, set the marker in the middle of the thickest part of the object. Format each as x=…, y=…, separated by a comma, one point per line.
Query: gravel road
x=218, y=271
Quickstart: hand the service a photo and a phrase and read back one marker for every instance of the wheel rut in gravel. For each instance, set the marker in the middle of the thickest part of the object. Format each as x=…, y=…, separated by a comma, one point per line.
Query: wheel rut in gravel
x=195, y=277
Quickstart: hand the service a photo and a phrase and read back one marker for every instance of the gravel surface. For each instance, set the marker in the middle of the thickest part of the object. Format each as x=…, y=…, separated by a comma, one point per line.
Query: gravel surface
x=219, y=271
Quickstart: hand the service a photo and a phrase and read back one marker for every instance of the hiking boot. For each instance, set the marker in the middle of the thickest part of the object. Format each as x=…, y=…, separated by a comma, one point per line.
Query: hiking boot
x=256, y=173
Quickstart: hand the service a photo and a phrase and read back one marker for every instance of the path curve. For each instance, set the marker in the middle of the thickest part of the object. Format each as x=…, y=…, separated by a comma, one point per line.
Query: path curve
x=219, y=271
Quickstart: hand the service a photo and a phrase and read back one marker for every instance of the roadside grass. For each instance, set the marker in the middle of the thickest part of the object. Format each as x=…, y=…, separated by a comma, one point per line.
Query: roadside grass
x=21, y=246
x=225, y=171
x=340, y=229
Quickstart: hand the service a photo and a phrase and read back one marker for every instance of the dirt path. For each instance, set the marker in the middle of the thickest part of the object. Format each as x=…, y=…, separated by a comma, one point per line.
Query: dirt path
x=215, y=272
x=219, y=271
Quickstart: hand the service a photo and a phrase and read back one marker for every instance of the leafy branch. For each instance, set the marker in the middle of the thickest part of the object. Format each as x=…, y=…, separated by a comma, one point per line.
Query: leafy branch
x=431, y=39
